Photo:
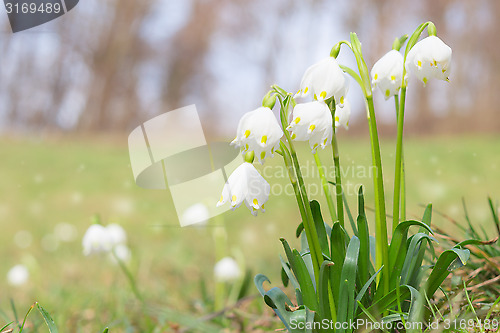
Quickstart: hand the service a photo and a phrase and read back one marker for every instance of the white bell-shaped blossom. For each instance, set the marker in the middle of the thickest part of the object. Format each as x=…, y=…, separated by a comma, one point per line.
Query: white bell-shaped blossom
x=342, y=115
x=312, y=122
x=227, y=270
x=18, y=275
x=122, y=252
x=429, y=58
x=387, y=73
x=246, y=184
x=324, y=80
x=117, y=234
x=260, y=132
x=97, y=239
x=197, y=213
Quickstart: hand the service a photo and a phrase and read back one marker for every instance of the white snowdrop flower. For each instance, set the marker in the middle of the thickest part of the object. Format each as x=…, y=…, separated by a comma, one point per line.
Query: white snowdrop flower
x=227, y=270
x=312, y=122
x=97, y=239
x=18, y=275
x=246, y=184
x=387, y=73
x=122, y=252
x=342, y=115
x=197, y=213
x=429, y=58
x=117, y=234
x=258, y=131
x=323, y=80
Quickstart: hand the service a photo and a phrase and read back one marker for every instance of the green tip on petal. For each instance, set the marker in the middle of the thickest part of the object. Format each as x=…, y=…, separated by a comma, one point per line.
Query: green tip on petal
x=335, y=51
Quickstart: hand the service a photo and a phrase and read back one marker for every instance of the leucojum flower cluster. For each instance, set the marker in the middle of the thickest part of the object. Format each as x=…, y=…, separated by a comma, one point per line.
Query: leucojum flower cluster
x=335, y=276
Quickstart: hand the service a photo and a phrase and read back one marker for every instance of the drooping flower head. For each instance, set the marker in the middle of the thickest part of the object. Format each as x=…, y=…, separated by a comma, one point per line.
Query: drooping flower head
x=227, y=270
x=429, y=58
x=387, y=73
x=312, y=122
x=258, y=131
x=97, y=239
x=324, y=80
x=246, y=184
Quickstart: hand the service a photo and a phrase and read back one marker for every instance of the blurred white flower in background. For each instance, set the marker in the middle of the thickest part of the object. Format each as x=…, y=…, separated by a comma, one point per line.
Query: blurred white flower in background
x=227, y=270
x=116, y=234
x=110, y=239
x=122, y=252
x=96, y=240
x=197, y=213
x=65, y=232
x=18, y=275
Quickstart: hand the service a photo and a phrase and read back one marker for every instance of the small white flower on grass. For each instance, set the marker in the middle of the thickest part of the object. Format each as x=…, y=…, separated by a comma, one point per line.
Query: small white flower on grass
x=18, y=275
x=116, y=233
x=197, y=213
x=227, y=270
x=342, y=115
x=258, y=131
x=246, y=185
x=324, y=80
x=387, y=73
x=122, y=252
x=429, y=58
x=312, y=122
x=97, y=239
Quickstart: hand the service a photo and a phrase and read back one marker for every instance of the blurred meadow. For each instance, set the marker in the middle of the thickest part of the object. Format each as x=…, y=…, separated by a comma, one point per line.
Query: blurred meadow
x=72, y=90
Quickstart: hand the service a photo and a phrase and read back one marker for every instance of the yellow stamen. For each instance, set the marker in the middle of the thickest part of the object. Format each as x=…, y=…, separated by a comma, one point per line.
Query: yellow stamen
x=323, y=94
x=342, y=100
x=312, y=127
x=247, y=133
x=425, y=80
x=306, y=89
x=419, y=63
x=255, y=202
x=375, y=76
x=297, y=120
x=393, y=78
x=221, y=198
x=337, y=119
x=264, y=139
x=233, y=198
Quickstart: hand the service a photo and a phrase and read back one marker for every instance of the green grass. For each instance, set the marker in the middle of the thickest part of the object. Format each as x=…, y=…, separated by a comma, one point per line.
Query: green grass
x=48, y=182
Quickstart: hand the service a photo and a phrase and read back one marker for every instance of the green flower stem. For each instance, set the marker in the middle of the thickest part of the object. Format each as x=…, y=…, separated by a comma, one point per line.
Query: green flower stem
x=399, y=152
x=401, y=191
x=326, y=187
x=293, y=180
x=129, y=276
x=338, y=179
x=309, y=227
x=381, y=245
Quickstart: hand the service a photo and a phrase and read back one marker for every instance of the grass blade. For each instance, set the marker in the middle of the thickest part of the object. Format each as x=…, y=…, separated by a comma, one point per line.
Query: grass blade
x=48, y=319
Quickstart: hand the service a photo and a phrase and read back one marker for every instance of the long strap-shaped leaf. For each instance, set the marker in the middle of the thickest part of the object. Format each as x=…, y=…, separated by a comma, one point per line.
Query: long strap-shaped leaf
x=347, y=284
x=442, y=268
